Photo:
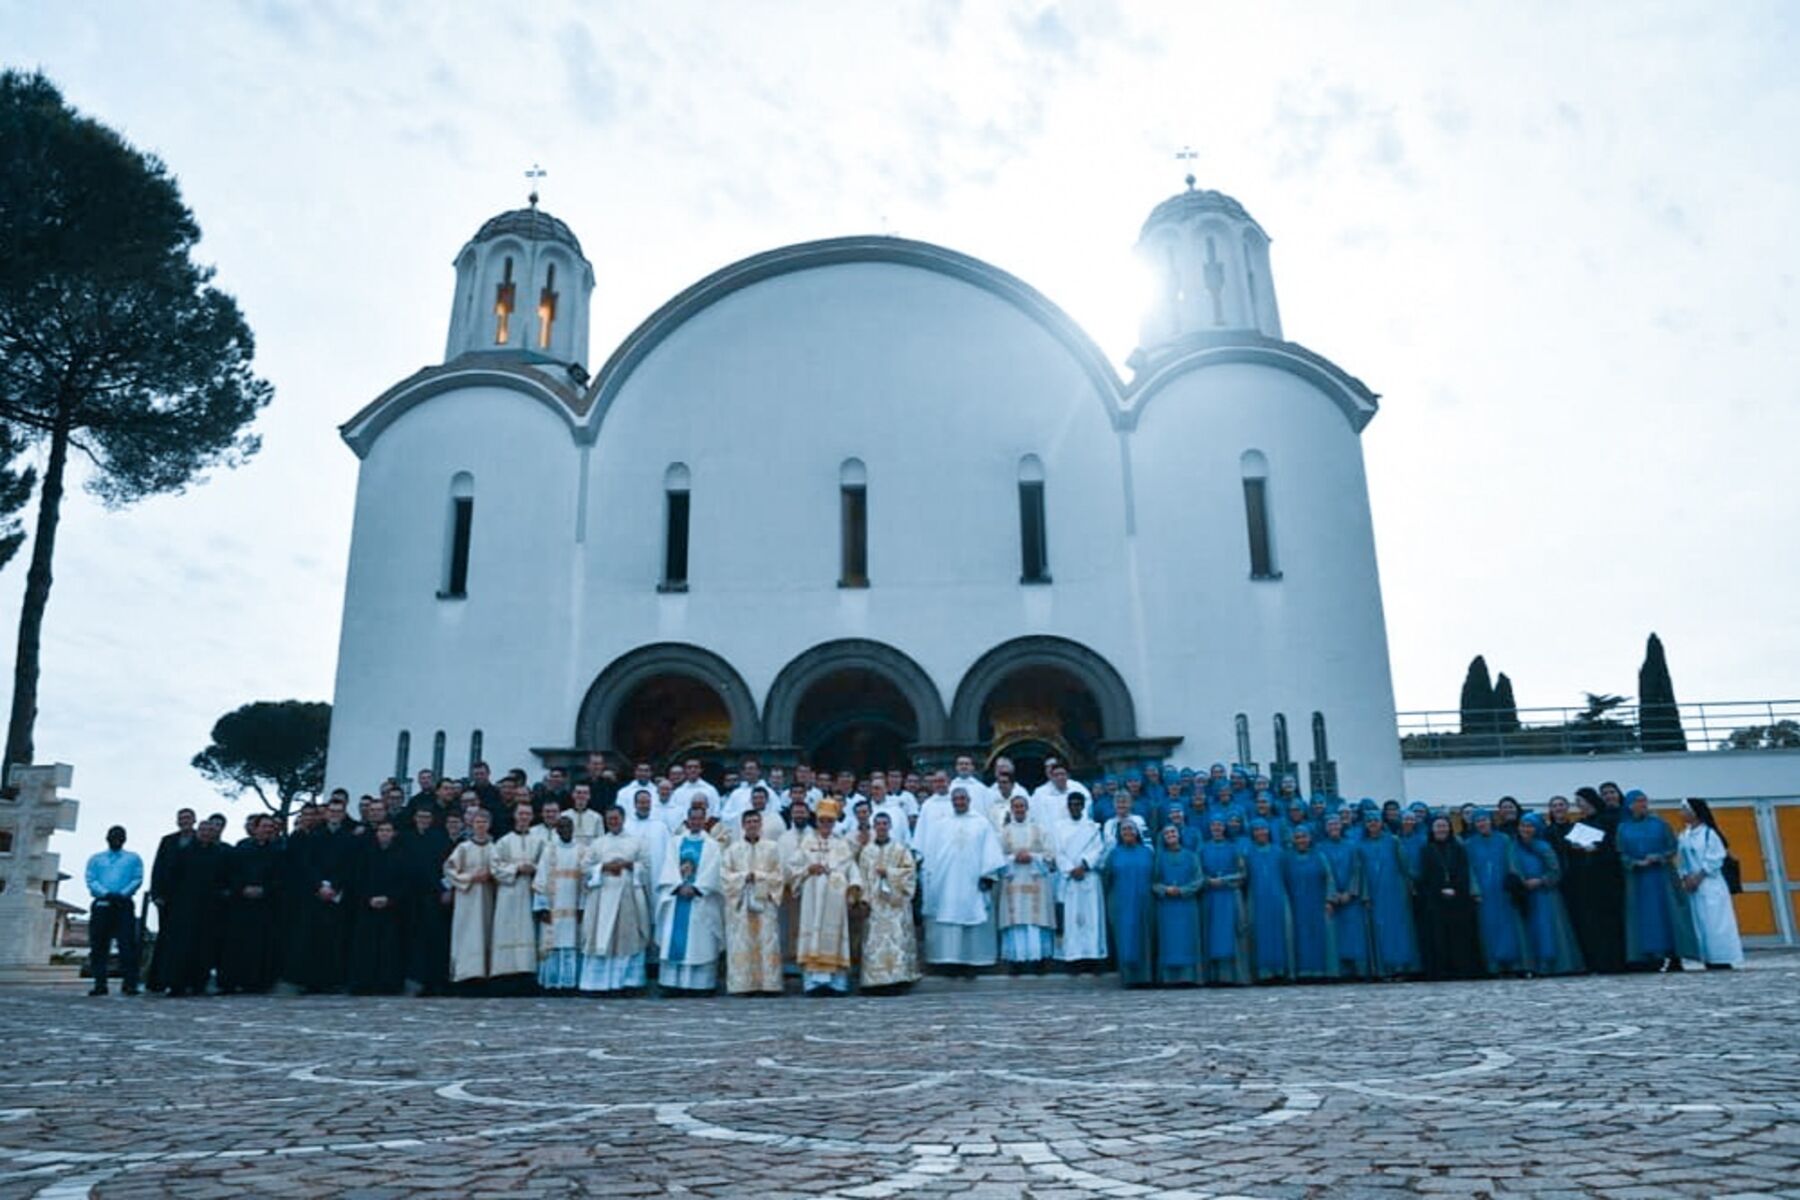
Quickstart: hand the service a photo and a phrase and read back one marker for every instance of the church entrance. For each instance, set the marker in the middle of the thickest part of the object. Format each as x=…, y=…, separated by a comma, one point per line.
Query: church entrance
x=671, y=717
x=854, y=719
x=1040, y=712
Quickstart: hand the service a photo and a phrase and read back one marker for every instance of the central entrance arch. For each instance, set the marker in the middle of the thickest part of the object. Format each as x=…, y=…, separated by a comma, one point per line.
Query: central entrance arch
x=853, y=704
x=668, y=700
x=1037, y=697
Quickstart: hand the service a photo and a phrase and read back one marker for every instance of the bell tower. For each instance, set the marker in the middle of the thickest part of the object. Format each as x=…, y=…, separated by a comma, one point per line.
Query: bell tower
x=1210, y=260
x=522, y=290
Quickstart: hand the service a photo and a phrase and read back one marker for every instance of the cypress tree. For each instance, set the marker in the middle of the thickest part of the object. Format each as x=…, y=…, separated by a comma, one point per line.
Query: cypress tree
x=1659, y=719
x=1478, y=699
x=1506, y=709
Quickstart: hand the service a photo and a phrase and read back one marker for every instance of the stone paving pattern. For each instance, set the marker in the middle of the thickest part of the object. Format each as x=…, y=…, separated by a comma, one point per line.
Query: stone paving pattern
x=1630, y=1088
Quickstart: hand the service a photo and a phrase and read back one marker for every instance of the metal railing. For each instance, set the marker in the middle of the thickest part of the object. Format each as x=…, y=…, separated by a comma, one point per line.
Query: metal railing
x=1621, y=728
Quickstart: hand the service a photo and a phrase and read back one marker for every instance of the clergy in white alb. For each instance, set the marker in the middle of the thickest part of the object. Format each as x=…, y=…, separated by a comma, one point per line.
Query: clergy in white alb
x=737, y=801
x=1000, y=807
x=514, y=948
x=470, y=872
x=760, y=800
x=1081, y=929
x=1050, y=802
x=821, y=872
x=882, y=801
x=752, y=878
x=615, y=922
x=960, y=855
x=890, y=950
x=689, y=915
x=584, y=815
x=693, y=786
x=556, y=902
x=935, y=806
x=1027, y=899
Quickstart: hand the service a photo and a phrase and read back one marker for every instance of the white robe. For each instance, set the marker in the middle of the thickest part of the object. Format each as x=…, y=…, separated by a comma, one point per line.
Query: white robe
x=934, y=808
x=655, y=835
x=514, y=948
x=960, y=851
x=684, y=796
x=1083, y=934
x=1050, y=807
x=900, y=828
x=1715, y=922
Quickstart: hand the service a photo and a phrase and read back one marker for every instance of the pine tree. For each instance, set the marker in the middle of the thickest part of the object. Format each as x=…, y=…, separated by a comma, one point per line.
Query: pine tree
x=1506, y=709
x=1659, y=719
x=1478, y=699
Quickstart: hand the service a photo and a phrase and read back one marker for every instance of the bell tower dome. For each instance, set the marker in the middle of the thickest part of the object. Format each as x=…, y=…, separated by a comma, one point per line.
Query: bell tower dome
x=522, y=290
x=1210, y=260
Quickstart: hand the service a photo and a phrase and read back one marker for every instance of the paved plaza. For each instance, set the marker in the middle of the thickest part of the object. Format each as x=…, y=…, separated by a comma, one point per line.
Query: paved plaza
x=1642, y=1086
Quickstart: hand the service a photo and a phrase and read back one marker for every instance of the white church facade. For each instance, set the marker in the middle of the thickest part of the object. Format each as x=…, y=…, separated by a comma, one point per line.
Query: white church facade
x=864, y=502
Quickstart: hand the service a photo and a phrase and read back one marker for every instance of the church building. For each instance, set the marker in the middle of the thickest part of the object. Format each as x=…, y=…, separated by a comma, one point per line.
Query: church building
x=867, y=502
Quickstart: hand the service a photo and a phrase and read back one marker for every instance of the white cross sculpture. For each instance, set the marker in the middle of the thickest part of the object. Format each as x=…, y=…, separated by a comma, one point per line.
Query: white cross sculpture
x=30, y=816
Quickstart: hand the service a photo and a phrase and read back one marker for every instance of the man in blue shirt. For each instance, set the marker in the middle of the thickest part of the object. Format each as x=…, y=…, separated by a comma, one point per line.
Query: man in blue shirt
x=113, y=877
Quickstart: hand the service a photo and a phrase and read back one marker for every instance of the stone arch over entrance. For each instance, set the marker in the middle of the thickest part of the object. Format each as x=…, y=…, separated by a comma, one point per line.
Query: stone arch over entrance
x=687, y=674
x=849, y=654
x=1040, y=695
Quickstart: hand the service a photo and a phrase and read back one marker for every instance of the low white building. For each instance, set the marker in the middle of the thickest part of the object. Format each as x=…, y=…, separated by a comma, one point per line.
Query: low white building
x=866, y=501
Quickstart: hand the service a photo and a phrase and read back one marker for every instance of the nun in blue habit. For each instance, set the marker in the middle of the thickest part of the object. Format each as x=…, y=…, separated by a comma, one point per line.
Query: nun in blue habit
x=1126, y=871
x=1490, y=863
x=1349, y=916
x=1309, y=890
x=1294, y=820
x=1550, y=947
x=1223, y=927
x=1175, y=886
x=1393, y=943
x=1271, y=922
x=1659, y=932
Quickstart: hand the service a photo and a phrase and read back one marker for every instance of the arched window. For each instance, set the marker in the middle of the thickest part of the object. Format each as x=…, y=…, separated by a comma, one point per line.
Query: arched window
x=1034, y=533
x=437, y=754
x=1243, y=740
x=460, y=526
x=402, y=756
x=547, y=307
x=474, y=750
x=503, y=305
x=675, y=529
x=1256, y=515
x=853, y=522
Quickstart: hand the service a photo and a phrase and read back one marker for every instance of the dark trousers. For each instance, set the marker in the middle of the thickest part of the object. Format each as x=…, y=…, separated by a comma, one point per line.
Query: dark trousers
x=113, y=920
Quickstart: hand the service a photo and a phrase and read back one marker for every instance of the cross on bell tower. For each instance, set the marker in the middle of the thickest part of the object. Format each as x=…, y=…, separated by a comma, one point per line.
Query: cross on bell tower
x=1189, y=155
x=536, y=173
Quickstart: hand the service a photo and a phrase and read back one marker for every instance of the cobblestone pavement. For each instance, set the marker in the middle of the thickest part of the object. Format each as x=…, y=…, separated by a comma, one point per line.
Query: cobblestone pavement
x=1643, y=1086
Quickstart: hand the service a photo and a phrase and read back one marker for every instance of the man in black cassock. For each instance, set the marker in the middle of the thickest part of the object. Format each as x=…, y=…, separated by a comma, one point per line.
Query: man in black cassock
x=160, y=869
x=251, y=959
x=196, y=882
x=327, y=859
x=379, y=897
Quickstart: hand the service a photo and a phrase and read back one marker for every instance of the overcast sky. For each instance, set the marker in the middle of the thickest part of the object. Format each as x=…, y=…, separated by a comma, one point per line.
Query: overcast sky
x=1558, y=240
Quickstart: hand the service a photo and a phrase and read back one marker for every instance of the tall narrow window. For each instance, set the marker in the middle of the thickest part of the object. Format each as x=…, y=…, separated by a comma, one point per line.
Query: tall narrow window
x=853, y=520
x=402, y=755
x=1243, y=740
x=460, y=526
x=474, y=750
x=1034, y=534
x=675, y=531
x=437, y=755
x=1250, y=280
x=1256, y=515
x=547, y=308
x=1215, y=281
x=503, y=306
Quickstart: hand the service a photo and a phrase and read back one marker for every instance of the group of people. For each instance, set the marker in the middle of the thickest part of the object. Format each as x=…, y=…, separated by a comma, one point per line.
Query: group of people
x=1171, y=877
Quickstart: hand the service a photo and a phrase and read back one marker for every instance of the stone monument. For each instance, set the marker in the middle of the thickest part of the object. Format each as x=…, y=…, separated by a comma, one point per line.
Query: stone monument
x=27, y=867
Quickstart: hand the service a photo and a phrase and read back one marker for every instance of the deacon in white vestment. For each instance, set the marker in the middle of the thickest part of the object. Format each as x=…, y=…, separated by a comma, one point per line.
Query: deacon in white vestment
x=753, y=879
x=961, y=855
x=890, y=951
x=469, y=869
x=689, y=913
x=1081, y=932
x=1027, y=897
x=556, y=902
x=514, y=949
x=584, y=816
x=1702, y=853
x=615, y=923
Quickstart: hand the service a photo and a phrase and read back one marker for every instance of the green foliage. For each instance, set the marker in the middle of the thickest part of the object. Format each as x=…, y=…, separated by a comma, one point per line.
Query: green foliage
x=16, y=484
x=1506, y=709
x=113, y=341
x=1659, y=719
x=1477, y=703
x=1782, y=735
x=270, y=746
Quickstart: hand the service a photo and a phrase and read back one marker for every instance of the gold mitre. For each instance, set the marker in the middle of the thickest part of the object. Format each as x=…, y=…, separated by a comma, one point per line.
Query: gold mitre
x=829, y=808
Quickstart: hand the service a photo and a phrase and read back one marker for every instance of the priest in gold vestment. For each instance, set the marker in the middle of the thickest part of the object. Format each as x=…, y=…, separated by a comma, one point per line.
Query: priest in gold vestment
x=821, y=872
x=890, y=950
x=470, y=872
x=752, y=878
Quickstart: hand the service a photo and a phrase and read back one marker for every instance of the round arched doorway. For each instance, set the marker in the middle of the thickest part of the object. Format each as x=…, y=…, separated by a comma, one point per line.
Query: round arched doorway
x=854, y=720
x=670, y=718
x=669, y=701
x=1041, y=696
